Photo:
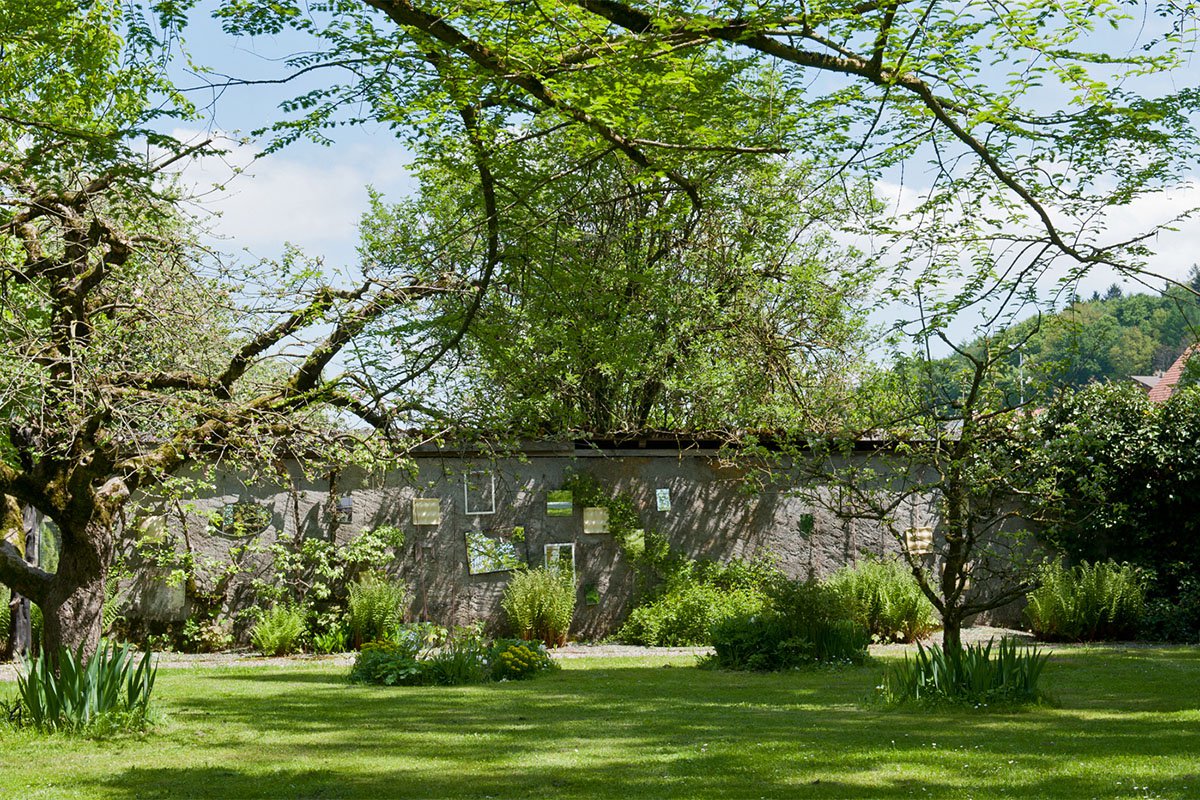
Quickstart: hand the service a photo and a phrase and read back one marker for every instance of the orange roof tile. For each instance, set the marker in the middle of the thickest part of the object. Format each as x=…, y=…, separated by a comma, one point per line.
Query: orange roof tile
x=1166, y=387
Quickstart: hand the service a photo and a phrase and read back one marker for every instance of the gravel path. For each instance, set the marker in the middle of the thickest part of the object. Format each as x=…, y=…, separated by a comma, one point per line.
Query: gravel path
x=571, y=651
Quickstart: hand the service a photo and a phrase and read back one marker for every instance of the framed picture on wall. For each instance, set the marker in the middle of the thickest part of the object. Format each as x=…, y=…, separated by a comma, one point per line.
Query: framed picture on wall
x=479, y=493
x=491, y=551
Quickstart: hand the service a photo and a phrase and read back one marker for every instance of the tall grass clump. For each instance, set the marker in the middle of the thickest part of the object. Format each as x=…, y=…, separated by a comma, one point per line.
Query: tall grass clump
x=376, y=607
x=540, y=604
x=279, y=631
x=1088, y=602
x=883, y=596
x=976, y=675
x=69, y=693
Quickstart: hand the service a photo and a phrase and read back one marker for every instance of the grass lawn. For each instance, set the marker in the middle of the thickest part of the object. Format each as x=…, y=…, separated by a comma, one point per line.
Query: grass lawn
x=1126, y=723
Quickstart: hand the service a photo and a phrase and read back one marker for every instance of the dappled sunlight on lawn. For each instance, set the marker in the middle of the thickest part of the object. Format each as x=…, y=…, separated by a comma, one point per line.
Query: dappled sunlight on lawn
x=624, y=728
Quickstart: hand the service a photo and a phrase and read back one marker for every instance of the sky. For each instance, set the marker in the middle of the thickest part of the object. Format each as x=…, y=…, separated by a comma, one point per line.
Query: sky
x=312, y=196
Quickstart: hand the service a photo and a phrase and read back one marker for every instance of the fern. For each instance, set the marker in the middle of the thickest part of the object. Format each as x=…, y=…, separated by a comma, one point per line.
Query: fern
x=1089, y=602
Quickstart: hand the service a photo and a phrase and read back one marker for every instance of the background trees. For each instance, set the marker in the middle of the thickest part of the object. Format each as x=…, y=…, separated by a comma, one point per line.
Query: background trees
x=617, y=306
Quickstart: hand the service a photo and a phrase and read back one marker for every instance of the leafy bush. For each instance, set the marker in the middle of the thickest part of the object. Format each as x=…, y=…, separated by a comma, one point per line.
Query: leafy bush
x=376, y=607
x=695, y=596
x=461, y=660
x=540, y=603
x=419, y=636
x=279, y=631
x=332, y=640
x=973, y=676
x=1177, y=620
x=386, y=663
x=685, y=615
x=806, y=623
x=113, y=688
x=513, y=660
x=884, y=597
x=204, y=634
x=464, y=658
x=1089, y=602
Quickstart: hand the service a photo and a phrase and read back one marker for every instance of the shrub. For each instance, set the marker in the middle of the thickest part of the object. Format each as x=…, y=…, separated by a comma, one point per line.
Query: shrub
x=514, y=660
x=1165, y=620
x=279, y=631
x=418, y=636
x=884, y=597
x=806, y=623
x=465, y=658
x=973, y=676
x=695, y=596
x=540, y=603
x=204, y=635
x=113, y=689
x=462, y=659
x=386, y=663
x=685, y=615
x=332, y=640
x=1089, y=602
x=376, y=607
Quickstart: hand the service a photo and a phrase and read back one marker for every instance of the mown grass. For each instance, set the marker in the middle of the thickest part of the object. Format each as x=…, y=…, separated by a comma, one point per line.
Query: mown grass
x=1125, y=723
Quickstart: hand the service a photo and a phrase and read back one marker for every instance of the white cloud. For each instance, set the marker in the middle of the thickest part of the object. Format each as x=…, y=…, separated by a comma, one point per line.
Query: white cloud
x=307, y=195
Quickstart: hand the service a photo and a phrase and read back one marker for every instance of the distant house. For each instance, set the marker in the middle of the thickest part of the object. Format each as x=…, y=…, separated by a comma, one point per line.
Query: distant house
x=1146, y=382
x=1165, y=386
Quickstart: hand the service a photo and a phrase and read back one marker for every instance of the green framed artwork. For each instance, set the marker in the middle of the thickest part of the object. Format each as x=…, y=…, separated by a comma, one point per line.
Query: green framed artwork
x=560, y=503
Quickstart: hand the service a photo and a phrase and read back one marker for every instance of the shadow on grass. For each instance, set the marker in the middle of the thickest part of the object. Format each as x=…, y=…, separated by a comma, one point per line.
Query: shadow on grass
x=653, y=732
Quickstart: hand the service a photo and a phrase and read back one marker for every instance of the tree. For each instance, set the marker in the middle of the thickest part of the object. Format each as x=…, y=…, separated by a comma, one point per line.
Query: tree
x=129, y=353
x=1031, y=129
x=964, y=457
x=619, y=308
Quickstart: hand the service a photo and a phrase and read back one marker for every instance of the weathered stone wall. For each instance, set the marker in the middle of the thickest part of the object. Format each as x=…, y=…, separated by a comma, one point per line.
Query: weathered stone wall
x=712, y=515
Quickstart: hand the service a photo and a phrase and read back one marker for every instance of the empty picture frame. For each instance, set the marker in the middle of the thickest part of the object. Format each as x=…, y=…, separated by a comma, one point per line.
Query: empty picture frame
x=426, y=511
x=560, y=556
x=560, y=503
x=662, y=498
x=490, y=551
x=919, y=541
x=479, y=493
x=595, y=519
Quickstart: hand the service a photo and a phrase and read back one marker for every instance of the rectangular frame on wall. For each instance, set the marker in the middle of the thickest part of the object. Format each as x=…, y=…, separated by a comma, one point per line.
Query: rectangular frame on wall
x=485, y=498
x=555, y=553
x=595, y=519
x=560, y=503
x=426, y=511
x=491, y=551
x=919, y=541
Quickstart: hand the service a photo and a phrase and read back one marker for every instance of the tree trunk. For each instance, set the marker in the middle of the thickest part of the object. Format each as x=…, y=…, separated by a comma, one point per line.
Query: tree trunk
x=72, y=611
x=951, y=633
x=22, y=525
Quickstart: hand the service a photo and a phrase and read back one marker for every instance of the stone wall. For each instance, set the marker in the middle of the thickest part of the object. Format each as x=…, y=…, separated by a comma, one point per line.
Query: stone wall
x=712, y=515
